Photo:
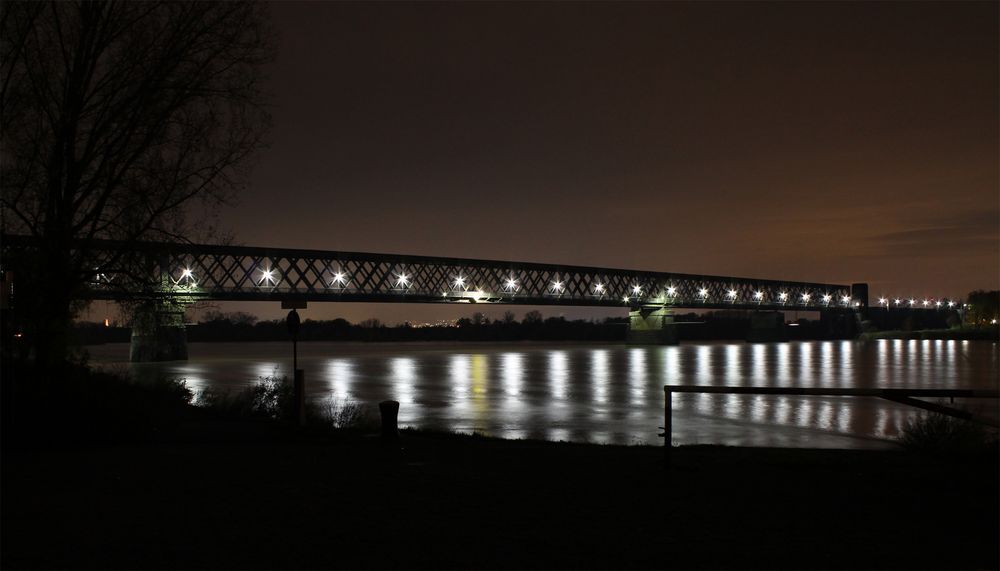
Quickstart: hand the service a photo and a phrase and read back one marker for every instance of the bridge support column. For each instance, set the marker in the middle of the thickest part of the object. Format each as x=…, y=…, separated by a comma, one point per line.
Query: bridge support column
x=840, y=324
x=767, y=327
x=652, y=326
x=158, y=333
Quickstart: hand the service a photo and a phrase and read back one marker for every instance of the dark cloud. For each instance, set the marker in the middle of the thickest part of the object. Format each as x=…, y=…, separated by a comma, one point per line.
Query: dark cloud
x=975, y=230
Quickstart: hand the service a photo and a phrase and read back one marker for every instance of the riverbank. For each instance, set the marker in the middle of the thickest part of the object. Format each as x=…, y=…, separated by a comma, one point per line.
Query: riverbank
x=257, y=495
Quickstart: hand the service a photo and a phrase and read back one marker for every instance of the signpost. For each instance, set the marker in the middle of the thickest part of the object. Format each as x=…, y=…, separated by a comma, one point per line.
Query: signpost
x=293, y=323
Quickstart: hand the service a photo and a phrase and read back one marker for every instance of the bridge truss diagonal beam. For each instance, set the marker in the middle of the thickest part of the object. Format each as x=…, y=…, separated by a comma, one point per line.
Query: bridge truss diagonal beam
x=252, y=273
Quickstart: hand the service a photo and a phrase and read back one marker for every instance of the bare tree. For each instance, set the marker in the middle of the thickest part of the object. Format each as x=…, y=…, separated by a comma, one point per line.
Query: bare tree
x=120, y=121
x=532, y=317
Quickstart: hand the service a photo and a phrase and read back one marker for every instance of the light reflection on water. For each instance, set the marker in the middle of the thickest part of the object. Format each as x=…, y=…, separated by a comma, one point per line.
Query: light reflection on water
x=609, y=393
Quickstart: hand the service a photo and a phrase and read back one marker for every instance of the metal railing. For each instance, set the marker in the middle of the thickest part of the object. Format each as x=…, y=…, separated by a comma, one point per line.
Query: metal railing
x=904, y=396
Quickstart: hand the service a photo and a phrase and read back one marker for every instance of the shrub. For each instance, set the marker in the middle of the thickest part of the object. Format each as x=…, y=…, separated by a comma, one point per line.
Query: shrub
x=346, y=414
x=939, y=433
x=273, y=398
x=83, y=405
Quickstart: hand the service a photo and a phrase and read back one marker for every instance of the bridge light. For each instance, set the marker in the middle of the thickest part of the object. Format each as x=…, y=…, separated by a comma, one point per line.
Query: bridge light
x=926, y=303
x=847, y=299
x=703, y=292
x=937, y=303
x=402, y=280
x=187, y=274
x=783, y=296
x=267, y=276
x=625, y=299
x=827, y=298
x=338, y=278
x=459, y=282
x=636, y=290
x=671, y=290
x=599, y=288
x=731, y=294
x=898, y=301
x=883, y=301
x=951, y=304
x=805, y=297
x=557, y=286
x=758, y=295
x=912, y=301
x=511, y=284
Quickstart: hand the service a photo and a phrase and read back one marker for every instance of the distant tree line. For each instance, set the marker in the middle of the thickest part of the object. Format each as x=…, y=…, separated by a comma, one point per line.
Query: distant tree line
x=216, y=326
x=240, y=326
x=984, y=307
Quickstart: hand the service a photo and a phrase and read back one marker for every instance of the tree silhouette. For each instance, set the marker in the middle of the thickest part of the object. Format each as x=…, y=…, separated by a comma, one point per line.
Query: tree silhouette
x=532, y=317
x=984, y=306
x=120, y=120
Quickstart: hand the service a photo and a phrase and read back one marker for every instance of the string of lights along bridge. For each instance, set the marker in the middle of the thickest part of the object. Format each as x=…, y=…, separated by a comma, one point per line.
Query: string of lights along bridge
x=242, y=273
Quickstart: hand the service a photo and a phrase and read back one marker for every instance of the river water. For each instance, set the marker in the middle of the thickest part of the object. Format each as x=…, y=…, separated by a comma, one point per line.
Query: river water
x=608, y=393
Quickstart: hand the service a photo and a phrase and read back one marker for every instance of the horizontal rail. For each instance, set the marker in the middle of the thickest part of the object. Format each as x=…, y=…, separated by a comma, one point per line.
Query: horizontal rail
x=903, y=396
x=834, y=392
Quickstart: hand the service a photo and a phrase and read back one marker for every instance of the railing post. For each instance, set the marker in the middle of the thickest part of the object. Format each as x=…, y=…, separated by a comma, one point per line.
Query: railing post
x=668, y=423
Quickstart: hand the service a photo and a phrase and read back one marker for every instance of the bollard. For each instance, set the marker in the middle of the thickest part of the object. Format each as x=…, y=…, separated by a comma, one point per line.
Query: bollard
x=389, y=409
x=299, y=393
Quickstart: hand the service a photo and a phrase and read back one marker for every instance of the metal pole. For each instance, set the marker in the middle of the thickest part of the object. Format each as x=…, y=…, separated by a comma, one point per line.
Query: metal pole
x=668, y=424
x=299, y=392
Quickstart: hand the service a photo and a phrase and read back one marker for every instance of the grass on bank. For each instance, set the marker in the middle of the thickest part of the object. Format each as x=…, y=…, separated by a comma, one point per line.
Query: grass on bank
x=273, y=398
x=81, y=405
x=940, y=434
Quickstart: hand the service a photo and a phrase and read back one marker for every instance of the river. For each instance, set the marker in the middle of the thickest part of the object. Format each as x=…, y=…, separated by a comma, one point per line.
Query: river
x=607, y=393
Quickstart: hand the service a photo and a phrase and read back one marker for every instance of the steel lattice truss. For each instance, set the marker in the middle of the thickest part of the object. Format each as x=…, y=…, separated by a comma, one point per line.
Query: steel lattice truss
x=251, y=273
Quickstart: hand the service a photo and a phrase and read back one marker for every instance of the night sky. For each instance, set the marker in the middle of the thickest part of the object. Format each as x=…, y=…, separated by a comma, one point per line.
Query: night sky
x=831, y=142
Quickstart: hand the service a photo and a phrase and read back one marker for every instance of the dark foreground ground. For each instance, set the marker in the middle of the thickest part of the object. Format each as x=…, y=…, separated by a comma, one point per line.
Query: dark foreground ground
x=261, y=498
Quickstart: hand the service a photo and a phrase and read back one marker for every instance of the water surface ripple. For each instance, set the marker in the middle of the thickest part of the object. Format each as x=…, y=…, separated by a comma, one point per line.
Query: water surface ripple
x=609, y=393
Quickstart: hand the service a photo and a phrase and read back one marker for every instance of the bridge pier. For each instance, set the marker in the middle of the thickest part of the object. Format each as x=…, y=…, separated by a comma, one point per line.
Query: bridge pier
x=840, y=324
x=158, y=333
x=767, y=327
x=652, y=326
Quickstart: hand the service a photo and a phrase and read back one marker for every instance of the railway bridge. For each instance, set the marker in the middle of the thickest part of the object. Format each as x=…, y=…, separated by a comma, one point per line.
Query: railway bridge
x=166, y=277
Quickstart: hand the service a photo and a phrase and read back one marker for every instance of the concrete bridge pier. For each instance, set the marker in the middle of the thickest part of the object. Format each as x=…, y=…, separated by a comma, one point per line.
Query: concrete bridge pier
x=767, y=327
x=840, y=324
x=652, y=326
x=158, y=333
